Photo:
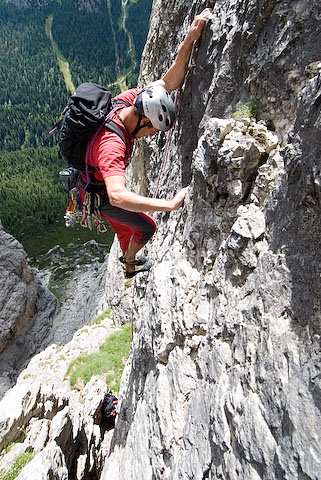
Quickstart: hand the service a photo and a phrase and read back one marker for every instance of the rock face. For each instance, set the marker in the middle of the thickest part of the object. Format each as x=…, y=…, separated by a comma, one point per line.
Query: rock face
x=224, y=377
x=223, y=380
x=61, y=426
x=27, y=310
x=41, y=414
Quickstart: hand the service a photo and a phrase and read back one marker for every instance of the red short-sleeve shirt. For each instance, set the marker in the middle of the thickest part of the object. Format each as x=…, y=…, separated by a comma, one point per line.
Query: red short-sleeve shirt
x=107, y=152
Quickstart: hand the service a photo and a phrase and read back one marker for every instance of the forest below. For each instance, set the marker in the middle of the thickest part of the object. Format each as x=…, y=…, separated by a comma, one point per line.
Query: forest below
x=33, y=93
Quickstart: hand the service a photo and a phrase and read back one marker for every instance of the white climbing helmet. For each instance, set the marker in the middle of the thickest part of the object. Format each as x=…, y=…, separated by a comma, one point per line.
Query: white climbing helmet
x=156, y=104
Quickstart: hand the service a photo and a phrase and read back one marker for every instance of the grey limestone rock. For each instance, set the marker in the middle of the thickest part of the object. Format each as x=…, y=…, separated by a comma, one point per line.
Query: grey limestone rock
x=59, y=425
x=224, y=376
x=27, y=310
x=223, y=379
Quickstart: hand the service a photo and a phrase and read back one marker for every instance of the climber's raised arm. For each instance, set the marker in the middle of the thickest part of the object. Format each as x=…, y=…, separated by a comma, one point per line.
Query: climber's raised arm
x=141, y=113
x=175, y=75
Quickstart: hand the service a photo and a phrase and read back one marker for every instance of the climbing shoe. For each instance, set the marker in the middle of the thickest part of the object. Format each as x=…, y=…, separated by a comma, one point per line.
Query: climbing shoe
x=138, y=262
x=145, y=267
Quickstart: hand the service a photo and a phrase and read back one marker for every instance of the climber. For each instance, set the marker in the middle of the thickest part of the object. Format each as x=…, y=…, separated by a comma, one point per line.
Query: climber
x=150, y=110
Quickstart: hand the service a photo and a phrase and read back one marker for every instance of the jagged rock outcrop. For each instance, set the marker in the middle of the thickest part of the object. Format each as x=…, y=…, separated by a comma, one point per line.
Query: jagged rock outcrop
x=225, y=366
x=27, y=310
x=31, y=317
x=41, y=414
x=61, y=426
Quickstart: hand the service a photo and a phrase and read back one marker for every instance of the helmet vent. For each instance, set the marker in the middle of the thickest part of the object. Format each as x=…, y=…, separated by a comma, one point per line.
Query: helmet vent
x=157, y=105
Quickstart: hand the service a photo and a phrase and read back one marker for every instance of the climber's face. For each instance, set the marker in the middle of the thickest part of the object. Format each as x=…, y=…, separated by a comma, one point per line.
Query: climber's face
x=146, y=129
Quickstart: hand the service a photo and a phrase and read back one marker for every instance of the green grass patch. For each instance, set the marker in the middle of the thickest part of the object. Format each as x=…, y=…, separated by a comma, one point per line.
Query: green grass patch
x=108, y=362
x=18, y=465
x=97, y=320
x=248, y=110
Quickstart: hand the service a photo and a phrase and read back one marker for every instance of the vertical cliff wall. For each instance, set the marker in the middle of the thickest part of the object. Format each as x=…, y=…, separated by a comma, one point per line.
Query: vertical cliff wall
x=27, y=310
x=224, y=374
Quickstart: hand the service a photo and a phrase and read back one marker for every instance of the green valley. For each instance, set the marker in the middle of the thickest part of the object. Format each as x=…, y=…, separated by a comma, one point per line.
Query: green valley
x=46, y=49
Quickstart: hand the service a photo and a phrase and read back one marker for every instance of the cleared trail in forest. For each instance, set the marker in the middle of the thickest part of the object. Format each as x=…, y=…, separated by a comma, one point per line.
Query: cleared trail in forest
x=63, y=64
x=121, y=79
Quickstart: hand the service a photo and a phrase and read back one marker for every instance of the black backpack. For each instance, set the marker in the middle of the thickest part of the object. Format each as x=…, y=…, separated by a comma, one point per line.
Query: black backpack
x=109, y=411
x=86, y=112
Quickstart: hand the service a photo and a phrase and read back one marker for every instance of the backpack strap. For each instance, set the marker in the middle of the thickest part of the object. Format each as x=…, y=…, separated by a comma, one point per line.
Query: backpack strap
x=113, y=127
